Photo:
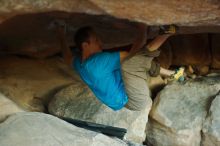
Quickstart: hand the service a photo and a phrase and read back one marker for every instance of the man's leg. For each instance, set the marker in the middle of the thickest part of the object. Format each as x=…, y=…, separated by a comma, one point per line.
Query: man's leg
x=166, y=73
x=135, y=73
x=138, y=92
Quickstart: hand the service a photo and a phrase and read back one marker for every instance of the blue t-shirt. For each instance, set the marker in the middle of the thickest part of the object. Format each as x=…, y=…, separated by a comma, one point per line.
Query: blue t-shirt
x=102, y=73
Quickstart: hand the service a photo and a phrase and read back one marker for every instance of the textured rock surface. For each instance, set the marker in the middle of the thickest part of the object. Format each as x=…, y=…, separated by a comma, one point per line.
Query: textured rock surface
x=183, y=50
x=31, y=83
x=7, y=107
x=216, y=51
x=38, y=32
x=37, y=129
x=78, y=102
x=179, y=110
x=211, y=128
x=149, y=11
x=197, y=50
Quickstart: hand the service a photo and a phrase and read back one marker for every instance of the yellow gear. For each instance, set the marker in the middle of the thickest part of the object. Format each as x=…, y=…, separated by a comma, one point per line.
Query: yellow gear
x=171, y=29
x=179, y=73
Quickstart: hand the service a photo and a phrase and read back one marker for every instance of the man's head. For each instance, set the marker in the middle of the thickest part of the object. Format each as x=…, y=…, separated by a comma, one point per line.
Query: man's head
x=87, y=40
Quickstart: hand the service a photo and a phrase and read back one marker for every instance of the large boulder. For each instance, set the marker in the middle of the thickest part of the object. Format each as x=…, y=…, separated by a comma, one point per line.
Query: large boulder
x=7, y=107
x=179, y=110
x=78, y=102
x=211, y=128
x=38, y=129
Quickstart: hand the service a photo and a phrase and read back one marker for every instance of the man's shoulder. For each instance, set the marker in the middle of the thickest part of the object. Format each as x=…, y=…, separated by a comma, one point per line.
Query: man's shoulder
x=99, y=59
x=104, y=55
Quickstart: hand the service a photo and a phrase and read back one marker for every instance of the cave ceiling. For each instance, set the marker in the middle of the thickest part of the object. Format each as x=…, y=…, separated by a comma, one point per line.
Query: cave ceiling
x=151, y=12
x=26, y=26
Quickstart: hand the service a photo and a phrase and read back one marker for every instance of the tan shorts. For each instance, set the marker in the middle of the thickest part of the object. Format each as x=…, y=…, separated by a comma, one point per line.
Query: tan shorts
x=135, y=77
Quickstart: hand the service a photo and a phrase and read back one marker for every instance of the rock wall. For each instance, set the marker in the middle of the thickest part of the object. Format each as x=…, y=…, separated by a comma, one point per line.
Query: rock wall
x=216, y=51
x=197, y=50
x=38, y=129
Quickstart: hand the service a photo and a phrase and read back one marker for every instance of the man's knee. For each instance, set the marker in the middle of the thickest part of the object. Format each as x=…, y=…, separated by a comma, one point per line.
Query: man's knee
x=136, y=106
x=154, y=69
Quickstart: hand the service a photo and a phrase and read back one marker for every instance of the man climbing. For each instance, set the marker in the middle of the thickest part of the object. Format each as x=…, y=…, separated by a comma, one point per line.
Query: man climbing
x=118, y=79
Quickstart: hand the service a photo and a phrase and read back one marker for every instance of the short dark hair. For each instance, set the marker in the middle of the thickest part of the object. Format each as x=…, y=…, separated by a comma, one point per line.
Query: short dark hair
x=82, y=35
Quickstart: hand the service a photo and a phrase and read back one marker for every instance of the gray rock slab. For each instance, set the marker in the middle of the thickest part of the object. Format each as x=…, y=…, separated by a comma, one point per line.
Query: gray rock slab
x=38, y=129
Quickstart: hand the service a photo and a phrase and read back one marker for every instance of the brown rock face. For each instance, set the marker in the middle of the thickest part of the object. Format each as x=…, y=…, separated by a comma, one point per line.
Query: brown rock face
x=216, y=51
x=198, y=50
x=31, y=33
x=187, y=49
x=152, y=12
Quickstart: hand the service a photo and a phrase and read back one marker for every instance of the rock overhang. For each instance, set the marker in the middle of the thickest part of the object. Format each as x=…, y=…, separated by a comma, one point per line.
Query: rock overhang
x=150, y=12
x=25, y=25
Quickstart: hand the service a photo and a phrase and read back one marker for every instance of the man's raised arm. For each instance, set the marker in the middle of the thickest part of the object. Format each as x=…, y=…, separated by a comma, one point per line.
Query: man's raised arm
x=66, y=52
x=138, y=43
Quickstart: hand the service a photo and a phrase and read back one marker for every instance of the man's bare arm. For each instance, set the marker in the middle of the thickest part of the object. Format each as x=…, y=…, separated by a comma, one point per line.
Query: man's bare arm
x=157, y=42
x=66, y=52
x=123, y=55
x=139, y=42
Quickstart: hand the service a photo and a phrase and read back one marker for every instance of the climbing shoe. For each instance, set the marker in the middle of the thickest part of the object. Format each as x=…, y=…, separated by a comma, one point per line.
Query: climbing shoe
x=168, y=29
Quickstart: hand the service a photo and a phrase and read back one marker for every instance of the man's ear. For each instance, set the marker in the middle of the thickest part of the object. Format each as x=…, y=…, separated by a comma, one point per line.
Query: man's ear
x=85, y=45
